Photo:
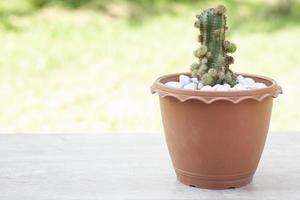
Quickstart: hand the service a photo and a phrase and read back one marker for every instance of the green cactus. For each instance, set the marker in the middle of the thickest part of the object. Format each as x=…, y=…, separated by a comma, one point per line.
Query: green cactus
x=213, y=66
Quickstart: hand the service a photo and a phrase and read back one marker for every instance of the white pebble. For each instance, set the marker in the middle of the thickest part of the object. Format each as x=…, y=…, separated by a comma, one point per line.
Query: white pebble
x=259, y=85
x=183, y=79
x=243, y=82
x=238, y=87
x=246, y=83
x=250, y=81
x=223, y=88
x=194, y=80
x=190, y=86
x=207, y=88
x=239, y=78
x=174, y=84
x=215, y=87
x=200, y=85
x=227, y=85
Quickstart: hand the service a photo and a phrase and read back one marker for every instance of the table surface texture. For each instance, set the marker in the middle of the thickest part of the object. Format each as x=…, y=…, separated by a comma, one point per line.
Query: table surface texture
x=128, y=166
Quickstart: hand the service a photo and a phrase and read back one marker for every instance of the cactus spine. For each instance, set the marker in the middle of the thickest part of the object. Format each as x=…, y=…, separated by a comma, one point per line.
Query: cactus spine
x=213, y=65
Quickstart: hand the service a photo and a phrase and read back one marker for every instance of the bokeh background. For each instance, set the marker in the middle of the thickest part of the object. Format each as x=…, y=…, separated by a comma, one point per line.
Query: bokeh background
x=69, y=66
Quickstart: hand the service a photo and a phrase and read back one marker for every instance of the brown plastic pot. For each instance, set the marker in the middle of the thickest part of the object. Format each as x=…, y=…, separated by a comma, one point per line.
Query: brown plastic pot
x=215, y=139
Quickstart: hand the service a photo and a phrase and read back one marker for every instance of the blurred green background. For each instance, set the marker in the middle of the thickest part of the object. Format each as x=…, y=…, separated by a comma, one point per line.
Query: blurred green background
x=86, y=65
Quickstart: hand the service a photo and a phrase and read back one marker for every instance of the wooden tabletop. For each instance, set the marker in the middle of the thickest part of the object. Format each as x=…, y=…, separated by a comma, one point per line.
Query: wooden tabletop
x=128, y=166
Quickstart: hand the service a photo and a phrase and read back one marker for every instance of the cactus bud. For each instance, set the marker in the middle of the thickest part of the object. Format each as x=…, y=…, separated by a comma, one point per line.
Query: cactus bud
x=197, y=24
x=198, y=16
x=233, y=48
x=200, y=72
x=200, y=52
x=213, y=72
x=229, y=47
x=194, y=73
x=228, y=77
x=203, y=67
x=203, y=50
x=229, y=60
x=195, y=66
x=207, y=79
x=208, y=54
x=203, y=60
x=197, y=54
x=221, y=75
x=226, y=44
x=220, y=9
x=200, y=38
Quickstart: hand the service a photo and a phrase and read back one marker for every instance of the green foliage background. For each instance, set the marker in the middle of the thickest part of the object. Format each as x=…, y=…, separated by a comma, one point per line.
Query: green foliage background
x=86, y=65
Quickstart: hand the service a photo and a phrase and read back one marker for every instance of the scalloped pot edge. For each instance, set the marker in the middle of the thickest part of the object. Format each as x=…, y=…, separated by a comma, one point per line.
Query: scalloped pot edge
x=272, y=90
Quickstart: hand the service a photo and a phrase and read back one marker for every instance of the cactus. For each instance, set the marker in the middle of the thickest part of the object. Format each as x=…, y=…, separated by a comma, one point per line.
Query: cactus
x=213, y=65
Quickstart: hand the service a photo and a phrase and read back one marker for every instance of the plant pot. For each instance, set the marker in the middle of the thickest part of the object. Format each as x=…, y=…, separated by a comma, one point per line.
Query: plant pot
x=215, y=139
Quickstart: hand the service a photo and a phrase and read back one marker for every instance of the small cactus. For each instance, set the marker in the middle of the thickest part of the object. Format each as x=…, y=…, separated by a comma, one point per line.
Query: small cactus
x=213, y=66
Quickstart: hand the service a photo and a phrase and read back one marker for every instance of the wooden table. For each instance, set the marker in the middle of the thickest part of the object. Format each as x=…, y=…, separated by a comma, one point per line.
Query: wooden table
x=128, y=166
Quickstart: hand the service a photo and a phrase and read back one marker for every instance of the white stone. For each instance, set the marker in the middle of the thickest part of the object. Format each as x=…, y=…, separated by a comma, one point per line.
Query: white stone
x=183, y=79
x=238, y=87
x=215, y=87
x=243, y=82
x=223, y=88
x=207, y=88
x=174, y=84
x=259, y=85
x=227, y=85
x=194, y=80
x=247, y=82
x=200, y=85
x=190, y=86
x=250, y=81
x=240, y=77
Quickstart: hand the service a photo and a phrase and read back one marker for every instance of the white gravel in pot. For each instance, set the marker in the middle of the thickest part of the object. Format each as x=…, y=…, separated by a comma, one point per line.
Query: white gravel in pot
x=207, y=88
x=227, y=85
x=200, y=85
x=174, y=84
x=191, y=86
x=244, y=83
x=238, y=87
x=194, y=80
x=215, y=87
x=259, y=85
x=222, y=88
x=183, y=79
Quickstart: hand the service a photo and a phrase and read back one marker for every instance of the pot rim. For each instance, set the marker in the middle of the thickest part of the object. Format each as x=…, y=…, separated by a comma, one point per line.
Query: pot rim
x=272, y=90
